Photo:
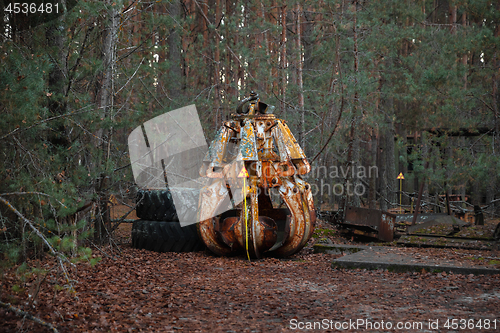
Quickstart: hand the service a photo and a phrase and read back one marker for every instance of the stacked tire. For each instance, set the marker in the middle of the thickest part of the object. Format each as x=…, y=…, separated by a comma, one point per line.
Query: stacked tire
x=156, y=205
x=158, y=228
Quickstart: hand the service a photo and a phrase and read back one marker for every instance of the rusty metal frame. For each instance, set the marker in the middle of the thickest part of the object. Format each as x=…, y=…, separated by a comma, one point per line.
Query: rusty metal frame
x=370, y=222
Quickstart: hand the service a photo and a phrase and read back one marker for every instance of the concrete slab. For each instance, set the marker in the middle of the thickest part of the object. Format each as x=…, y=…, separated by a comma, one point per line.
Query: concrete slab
x=447, y=219
x=392, y=260
x=422, y=217
x=418, y=240
x=342, y=248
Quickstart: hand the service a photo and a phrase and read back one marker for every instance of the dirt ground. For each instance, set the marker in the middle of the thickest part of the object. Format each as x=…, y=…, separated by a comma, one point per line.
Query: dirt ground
x=134, y=290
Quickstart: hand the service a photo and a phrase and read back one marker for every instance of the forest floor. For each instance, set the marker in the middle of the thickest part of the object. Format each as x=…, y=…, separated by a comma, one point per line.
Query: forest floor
x=132, y=290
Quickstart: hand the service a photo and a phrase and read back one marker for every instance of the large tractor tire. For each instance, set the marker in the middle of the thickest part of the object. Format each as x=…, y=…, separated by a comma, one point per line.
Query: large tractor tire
x=156, y=205
x=163, y=236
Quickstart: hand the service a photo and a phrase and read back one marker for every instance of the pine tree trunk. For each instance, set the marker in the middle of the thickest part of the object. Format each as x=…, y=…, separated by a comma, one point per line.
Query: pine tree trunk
x=264, y=41
x=175, y=71
x=227, y=72
x=390, y=160
x=217, y=82
x=236, y=67
x=283, y=63
x=354, y=138
x=372, y=194
x=102, y=221
x=492, y=188
x=464, y=56
x=383, y=171
x=57, y=75
x=271, y=47
x=300, y=85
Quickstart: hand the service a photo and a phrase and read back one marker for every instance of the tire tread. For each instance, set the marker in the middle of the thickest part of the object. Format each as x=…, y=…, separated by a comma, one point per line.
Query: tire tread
x=162, y=236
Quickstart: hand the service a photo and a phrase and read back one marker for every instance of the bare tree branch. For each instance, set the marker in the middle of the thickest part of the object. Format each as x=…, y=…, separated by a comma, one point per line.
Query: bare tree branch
x=18, y=130
x=25, y=314
x=59, y=256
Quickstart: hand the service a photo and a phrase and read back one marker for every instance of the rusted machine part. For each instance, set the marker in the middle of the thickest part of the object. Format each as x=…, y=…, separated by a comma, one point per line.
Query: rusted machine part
x=212, y=200
x=267, y=233
x=211, y=238
x=370, y=222
x=299, y=229
x=253, y=232
x=301, y=204
x=230, y=231
x=305, y=189
x=265, y=146
x=386, y=227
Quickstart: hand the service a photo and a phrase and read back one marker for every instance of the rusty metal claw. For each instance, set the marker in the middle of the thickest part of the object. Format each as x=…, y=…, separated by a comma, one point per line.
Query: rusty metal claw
x=251, y=158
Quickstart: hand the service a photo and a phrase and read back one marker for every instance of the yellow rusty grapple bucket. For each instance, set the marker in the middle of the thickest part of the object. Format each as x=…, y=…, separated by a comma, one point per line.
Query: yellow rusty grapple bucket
x=255, y=166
